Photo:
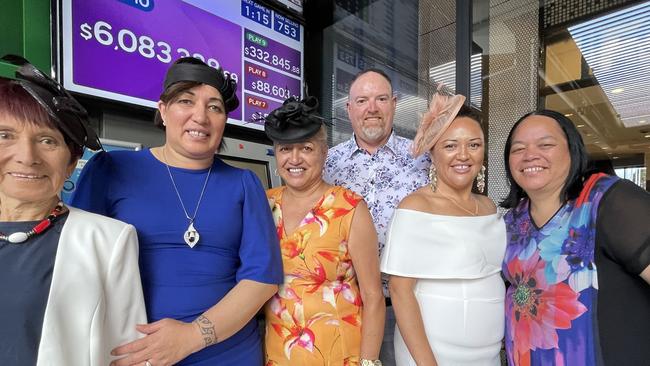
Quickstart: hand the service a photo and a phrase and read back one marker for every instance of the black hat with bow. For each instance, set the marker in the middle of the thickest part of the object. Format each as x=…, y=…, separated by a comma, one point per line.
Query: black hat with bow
x=295, y=121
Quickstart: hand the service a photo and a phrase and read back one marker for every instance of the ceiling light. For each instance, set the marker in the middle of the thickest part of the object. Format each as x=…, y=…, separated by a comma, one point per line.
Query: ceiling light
x=614, y=157
x=568, y=115
x=641, y=121
x=604, y=147
x=616, y=47
x=580, y=126
x=647, y=136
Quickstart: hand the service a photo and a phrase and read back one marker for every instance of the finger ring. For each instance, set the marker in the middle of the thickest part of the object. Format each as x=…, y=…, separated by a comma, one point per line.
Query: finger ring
x=147, y=363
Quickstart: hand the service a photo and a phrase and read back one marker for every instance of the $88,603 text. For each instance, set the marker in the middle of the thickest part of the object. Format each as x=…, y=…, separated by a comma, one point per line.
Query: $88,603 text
x=271, y=90
x=127, y=41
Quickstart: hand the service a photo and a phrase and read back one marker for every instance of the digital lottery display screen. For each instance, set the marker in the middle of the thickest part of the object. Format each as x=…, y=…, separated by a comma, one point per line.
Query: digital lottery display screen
x=121, y=49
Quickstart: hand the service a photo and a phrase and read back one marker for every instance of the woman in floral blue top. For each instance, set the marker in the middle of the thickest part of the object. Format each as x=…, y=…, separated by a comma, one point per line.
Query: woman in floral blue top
x=578, y=254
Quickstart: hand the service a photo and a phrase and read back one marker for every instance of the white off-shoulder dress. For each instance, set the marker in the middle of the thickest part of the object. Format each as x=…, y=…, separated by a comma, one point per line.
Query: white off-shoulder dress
x=457, y=262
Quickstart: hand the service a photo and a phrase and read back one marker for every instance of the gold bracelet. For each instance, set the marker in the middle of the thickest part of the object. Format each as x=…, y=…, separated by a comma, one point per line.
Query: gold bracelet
x=365, y=362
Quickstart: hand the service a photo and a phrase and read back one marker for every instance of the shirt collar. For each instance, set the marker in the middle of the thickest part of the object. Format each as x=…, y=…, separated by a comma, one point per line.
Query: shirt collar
x=390, y=145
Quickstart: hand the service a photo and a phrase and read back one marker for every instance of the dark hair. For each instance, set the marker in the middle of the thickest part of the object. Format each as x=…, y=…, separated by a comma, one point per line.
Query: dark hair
x=577, y=153
x=19, y=104
x=376, y=71
x=466, y=111
x=600, y=166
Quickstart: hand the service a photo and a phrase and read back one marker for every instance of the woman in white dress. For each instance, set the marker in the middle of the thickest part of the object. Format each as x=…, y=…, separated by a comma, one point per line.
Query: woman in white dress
x=444, y=250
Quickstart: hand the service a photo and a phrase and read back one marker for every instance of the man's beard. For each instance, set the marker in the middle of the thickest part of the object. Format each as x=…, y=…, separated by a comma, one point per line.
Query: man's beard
x=373, y=133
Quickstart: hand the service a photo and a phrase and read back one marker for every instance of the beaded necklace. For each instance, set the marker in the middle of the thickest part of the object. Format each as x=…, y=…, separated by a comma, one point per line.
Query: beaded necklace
x=21, y=237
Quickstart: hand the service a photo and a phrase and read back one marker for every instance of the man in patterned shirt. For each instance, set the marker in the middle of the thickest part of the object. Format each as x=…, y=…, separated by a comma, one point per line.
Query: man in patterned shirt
x=376, y=164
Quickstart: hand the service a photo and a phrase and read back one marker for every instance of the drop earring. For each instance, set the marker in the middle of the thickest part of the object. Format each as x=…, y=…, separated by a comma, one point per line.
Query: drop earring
x=480, y=180
x=433, y=177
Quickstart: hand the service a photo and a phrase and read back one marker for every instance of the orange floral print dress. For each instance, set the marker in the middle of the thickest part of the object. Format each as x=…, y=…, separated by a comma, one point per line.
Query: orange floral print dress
x=315, y=318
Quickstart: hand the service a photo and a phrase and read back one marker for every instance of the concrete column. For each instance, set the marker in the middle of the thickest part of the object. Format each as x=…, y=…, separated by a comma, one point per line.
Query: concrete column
x=512, y=77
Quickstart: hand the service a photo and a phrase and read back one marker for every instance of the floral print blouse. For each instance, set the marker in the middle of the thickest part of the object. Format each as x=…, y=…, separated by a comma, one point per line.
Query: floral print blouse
x=550, y=304
x=315, y=318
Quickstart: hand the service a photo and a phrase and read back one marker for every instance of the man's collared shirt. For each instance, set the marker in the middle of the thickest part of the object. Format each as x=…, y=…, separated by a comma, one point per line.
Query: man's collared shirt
x=383, y=179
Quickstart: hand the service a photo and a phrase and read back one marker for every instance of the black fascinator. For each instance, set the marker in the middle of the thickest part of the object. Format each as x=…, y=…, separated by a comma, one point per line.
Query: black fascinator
x=295, y=121
x=193, y=69
x=69, y=116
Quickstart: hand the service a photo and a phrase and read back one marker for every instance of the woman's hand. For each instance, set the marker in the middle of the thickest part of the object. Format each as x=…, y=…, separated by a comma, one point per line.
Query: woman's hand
x=167, y=342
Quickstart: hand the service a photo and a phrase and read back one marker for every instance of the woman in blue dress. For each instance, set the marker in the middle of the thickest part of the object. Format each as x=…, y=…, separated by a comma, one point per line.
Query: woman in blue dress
x=209, y=256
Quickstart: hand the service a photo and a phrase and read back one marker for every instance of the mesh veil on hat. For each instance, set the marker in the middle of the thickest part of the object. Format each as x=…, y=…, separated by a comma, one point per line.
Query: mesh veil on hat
x=295, y=121
x=68, y=115
x=442, y=111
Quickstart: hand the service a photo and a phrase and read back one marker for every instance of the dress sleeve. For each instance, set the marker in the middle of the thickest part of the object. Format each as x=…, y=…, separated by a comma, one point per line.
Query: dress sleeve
x=92, y=190
x=623, y=226
x=259, y=251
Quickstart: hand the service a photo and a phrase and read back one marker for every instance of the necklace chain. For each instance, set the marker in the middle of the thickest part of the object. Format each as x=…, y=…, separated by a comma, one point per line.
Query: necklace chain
x=475, y=213
x=205, y=183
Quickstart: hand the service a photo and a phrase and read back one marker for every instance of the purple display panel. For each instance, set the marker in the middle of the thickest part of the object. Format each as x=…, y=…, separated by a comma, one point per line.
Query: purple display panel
x=271, y=53
x=127, y=51
x=271, y=83
x=257, y=108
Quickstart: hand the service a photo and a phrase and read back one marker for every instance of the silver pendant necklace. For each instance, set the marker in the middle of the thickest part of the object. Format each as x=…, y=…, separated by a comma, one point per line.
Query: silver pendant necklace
x=191, y=236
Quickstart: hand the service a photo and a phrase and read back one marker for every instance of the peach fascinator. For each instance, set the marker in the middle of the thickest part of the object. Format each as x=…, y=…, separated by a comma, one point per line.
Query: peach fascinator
x=442, y=111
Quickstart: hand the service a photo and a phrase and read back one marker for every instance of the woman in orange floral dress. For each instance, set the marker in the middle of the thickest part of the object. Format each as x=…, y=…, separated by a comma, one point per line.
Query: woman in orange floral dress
x=330, y=309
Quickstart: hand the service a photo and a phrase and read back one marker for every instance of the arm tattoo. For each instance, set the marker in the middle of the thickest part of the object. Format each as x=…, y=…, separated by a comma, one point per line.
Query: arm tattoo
x=207, y=330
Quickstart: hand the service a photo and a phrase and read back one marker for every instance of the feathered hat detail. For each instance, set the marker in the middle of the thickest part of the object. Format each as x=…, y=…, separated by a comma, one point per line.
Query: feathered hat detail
x=442, y=110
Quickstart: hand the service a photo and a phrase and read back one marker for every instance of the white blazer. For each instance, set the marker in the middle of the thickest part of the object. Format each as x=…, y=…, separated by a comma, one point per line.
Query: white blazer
x=95, y=297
